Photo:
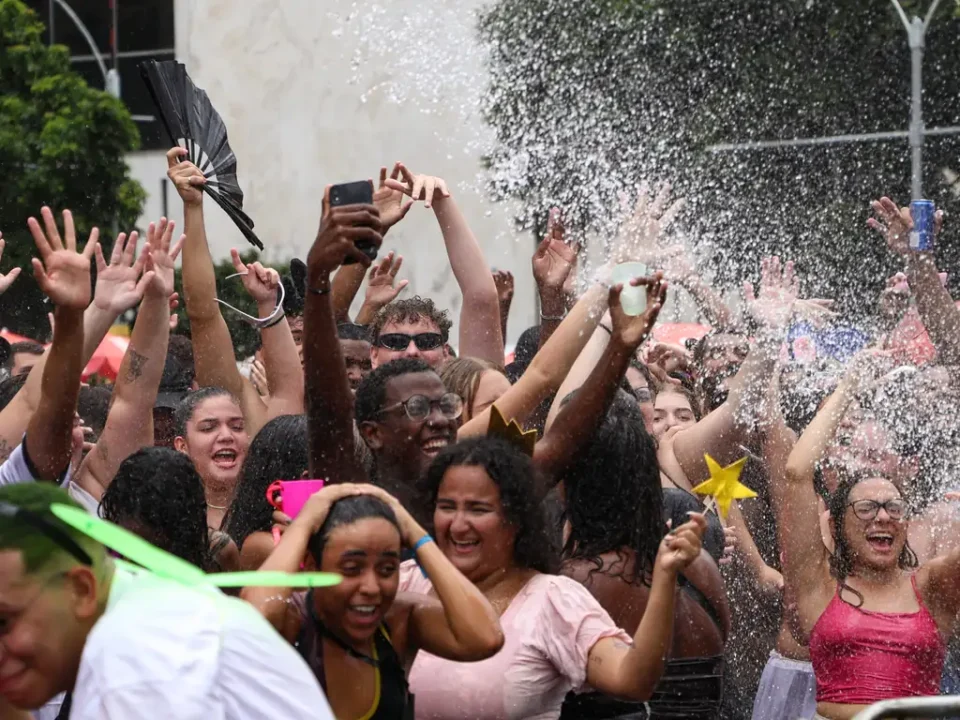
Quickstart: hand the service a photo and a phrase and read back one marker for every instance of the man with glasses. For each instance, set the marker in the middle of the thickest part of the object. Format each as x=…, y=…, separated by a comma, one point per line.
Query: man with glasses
x=406, y=417
x=412, y=328
x=125, y=643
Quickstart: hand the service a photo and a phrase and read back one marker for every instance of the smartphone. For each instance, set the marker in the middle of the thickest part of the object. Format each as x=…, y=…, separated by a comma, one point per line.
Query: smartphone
x=289, y=496
x=355, y=193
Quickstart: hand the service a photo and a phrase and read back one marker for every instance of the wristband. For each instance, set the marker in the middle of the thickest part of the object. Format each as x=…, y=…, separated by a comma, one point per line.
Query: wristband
x=419, y=544
x=280, y=318
x=552, y=318
x=317, y=291
x=609, y=330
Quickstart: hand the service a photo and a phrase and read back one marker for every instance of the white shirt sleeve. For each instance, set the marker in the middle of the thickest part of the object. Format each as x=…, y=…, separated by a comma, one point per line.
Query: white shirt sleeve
x=15, y=470
x=143, y=702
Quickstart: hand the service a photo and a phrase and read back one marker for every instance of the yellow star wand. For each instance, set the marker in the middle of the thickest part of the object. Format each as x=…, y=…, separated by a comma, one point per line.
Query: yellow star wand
x=724, y=486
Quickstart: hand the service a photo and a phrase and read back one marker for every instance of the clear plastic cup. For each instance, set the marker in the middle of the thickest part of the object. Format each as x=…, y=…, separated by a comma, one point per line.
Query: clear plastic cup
x=633, y=300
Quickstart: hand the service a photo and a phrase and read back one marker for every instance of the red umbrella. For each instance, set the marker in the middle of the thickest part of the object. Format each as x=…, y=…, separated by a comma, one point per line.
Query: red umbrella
x=107, y=358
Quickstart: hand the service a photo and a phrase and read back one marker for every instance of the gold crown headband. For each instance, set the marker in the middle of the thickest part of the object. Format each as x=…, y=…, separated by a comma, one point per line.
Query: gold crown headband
x=511, y=432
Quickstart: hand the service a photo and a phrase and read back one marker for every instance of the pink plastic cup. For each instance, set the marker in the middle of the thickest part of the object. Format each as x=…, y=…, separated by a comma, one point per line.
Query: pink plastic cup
x=289, y=496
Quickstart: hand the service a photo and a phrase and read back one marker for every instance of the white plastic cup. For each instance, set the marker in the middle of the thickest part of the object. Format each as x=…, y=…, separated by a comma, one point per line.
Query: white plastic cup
x=633, y=300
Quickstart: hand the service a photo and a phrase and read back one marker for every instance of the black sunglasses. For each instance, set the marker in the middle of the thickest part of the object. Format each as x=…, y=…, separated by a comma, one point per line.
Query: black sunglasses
x=46, y=527
x=401, y=341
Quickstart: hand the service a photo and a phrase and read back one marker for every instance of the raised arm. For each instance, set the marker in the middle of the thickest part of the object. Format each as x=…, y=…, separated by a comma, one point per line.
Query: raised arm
x=938, y=584
x=549, y=366
x=119, y=287
x=503, y=280
x=554, y=269
x=129, y=425
x=212, y=344
x=480, y=314
x=382, y=287
x=281, y=358
x=63, y=275
x=329, y=400
x=632, y=672
x=680, y=270
x=937, y=310
x=577, y=421
x=721, y=432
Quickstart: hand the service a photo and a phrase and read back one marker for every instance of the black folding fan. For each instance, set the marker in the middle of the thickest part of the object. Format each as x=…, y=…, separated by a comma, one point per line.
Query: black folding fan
x=192, y=123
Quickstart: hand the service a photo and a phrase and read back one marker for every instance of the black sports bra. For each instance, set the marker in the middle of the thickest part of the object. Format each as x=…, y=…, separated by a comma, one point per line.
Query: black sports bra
x=392, y=698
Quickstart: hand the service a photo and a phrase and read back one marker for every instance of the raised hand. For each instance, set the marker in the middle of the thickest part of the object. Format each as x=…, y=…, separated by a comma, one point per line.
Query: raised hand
x=6, y=280
x=640, y=233
x=61, y=272
x=895, y=223
x=340, y=228
x=779, y=289
x=632, y=330
x=390, y=201
x=419, y=187
x=681, y=546
x=119, y=284
x=162, y=259
x=554, y=260
x=261, y=282
x=382, y=285
x=185, y=176
x=503, y=279
x=895, y=298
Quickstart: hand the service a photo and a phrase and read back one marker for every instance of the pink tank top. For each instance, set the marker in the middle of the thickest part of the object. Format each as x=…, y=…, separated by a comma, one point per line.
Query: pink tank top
x=861, y=657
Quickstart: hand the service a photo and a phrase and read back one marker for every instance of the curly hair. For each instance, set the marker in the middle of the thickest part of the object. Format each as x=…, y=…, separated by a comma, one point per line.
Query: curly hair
x=278, y=452
x=614, y=500
x=159, y=492
x=521, y=495
x=411, y=310
x=373, y=389
x=189, y=404
x=841, y=562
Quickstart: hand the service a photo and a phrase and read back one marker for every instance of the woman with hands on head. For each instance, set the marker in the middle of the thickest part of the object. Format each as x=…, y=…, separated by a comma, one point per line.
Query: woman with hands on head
x=359, y=636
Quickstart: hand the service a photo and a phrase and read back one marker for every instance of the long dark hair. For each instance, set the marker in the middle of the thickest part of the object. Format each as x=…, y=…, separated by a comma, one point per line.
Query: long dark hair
x=278, y=452
x=521, y=495
x=614, y=501
x=160, y=492
x=841, y=562
x=347, y=511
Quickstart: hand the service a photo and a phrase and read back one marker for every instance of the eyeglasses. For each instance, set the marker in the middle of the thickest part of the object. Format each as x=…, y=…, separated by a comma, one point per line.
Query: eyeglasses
x=868, y=509
x=418, y=407
x=401, y=341
x=46, y=527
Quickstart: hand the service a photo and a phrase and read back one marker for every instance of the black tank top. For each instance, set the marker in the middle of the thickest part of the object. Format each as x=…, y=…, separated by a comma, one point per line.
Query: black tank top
x=393, y=698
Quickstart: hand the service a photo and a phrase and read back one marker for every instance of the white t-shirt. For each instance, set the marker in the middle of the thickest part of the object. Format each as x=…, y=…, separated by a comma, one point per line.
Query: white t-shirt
x=18, y=469
x=164, y=650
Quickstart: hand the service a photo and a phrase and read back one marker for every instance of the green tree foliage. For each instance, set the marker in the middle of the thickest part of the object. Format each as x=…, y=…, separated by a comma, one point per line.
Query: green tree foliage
x=62, y=144
x=588, y=97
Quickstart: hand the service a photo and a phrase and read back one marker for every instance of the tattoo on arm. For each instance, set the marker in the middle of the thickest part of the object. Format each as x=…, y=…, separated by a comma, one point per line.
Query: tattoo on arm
x=137, y=363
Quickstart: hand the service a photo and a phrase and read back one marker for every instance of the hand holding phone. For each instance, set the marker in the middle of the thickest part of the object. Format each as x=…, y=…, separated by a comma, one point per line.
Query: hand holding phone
x=355, y=193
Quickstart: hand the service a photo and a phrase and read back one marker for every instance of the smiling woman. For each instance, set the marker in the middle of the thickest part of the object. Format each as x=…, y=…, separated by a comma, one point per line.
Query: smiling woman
x=211, y=432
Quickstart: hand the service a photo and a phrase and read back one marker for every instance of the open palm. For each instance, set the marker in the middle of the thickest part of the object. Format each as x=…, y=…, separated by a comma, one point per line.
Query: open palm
x=118, y=287
x=61, y=272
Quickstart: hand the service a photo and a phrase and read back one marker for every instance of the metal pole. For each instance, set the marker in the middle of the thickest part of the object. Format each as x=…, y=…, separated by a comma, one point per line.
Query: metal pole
x=916, y=33
x=98, y=56
x=52, y=6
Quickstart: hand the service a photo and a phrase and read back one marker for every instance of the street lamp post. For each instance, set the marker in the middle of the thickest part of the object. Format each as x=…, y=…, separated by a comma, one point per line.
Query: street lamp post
x=111, y=76
x=916, y=36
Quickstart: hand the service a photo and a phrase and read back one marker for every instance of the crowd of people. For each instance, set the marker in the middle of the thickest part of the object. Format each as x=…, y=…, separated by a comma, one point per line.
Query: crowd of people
x=516, y=536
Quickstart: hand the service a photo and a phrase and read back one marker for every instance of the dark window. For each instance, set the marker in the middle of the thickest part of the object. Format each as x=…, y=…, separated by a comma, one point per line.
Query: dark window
x=145, y=30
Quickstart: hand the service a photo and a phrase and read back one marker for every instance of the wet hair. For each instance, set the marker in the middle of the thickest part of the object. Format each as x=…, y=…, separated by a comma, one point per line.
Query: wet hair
x=410, y=310
x=373, y=389
x=159, y=492
x=462, y=376
x=689, y=394
x=521, y=494
x=27, y=347
x=614, y=501
x=93, y=406
x=526, y=348
x=841, y=562
x=351, y=331
x=38, y=550
x=181, y=350
x=188, y=406
x=277, y=452
x=9, y=388
x=347, y=511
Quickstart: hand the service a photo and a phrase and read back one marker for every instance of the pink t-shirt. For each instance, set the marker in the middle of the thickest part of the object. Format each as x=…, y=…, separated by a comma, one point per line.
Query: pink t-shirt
x=549, y=630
